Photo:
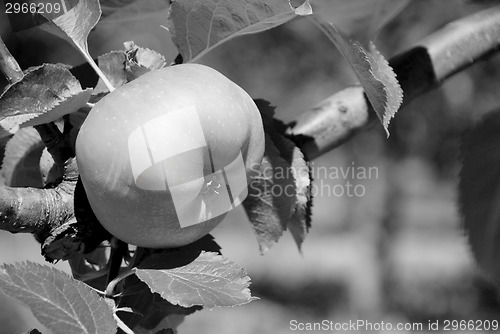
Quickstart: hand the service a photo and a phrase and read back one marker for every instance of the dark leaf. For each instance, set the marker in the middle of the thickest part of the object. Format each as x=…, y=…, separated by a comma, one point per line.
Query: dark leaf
x=279, y=195
x=149, y=310
x=33, y=331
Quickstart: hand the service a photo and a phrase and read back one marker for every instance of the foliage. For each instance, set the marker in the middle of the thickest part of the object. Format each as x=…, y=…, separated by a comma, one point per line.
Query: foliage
x=150, y=291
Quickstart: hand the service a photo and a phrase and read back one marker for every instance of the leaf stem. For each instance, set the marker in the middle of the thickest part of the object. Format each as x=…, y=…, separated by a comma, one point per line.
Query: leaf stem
x=111, y=285
x=99, y=72
x=8, y=65
x=122, y=325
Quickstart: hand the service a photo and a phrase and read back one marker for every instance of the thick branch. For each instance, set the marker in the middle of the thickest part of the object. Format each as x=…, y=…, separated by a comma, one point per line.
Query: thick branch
x=31, y=210
x=422, y=68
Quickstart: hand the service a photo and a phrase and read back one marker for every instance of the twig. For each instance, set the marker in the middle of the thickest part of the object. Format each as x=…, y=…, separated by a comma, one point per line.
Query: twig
x=422, y=68
x=8, y=65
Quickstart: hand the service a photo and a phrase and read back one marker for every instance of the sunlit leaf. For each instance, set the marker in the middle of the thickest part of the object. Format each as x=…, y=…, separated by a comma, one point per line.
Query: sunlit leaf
x=373, y=71
x=209, y=280
x=59, y=302
x=75, y=25
x=200, y=25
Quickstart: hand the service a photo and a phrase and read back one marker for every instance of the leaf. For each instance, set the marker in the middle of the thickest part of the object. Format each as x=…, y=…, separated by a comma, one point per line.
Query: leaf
x=197, y=26
x=60, y=303
x=210, y=280
x=112, y=65
x=149, y=310
x=69, y=105
x=280, y=194
x=300, y=221
x=141, y=60
x=479, y=192
x=360, y=19
x=22, y=155
x=91, y=268
x=268, y=210
x=48, y=91
x=49, y=171
x=373, y=71
x=75, y=25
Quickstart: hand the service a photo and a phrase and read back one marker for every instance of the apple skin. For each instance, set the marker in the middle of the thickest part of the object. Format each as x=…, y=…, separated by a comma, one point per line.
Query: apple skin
x=231, y=125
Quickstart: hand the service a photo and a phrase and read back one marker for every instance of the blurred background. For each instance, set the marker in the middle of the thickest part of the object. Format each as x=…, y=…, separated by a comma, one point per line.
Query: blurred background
x=395, y=254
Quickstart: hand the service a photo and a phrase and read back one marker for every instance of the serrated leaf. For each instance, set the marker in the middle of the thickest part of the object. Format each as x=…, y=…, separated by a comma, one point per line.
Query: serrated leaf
x=300, y=222
x=197, y=26
x=360, y=19
x=112, y=65
x=67, y=106
x=210, y=280
x=42, y=89
x=20, y=167
x=59, y=302
x=479, y=192
x=141, y=60
x=279, y=195
x=373, y=71
x=267, y=209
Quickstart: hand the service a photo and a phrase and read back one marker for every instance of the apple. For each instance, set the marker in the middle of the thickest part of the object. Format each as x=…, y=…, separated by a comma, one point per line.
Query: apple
x=163, y=158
